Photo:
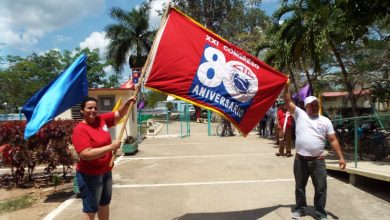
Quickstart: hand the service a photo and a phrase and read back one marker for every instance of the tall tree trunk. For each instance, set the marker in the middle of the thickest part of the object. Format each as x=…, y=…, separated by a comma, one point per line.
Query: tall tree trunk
x=386, y=77
x=309, y=79
x=291, y=74
x=346, y=79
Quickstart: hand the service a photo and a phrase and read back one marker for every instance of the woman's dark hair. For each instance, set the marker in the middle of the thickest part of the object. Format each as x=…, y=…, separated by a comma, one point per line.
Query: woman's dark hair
x=87, y=99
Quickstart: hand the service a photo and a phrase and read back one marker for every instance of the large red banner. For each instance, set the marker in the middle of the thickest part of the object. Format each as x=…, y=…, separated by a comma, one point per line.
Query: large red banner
x=194, y=64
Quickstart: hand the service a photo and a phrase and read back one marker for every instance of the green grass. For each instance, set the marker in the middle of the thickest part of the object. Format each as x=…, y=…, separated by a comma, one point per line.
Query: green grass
x=16, y=204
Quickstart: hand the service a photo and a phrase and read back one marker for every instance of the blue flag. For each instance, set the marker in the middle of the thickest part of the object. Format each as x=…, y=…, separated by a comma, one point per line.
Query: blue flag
x=65, y=91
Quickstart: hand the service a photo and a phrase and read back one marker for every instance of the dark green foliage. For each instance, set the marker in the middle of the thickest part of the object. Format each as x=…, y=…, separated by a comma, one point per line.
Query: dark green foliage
x=50, y=146
x=153, y=97
x=23, y=77
x=339, y=38
x=240, y=22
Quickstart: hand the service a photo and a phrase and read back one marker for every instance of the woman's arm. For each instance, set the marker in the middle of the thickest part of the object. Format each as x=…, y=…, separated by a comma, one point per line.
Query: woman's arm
x=94, y=153
x=123, y=109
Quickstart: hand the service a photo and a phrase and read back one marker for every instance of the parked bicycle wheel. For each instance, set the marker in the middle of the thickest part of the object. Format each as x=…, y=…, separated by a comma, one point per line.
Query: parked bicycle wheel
x=380, y=150
x=373, y=147
x=366, y=149
x=233, y=130
x=345, y=138
x=228, y=131
x=220, y=129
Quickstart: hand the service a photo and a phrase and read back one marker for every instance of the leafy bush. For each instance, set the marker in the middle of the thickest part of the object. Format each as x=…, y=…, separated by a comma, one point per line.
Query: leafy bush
x=49, y=146
x=129, y=140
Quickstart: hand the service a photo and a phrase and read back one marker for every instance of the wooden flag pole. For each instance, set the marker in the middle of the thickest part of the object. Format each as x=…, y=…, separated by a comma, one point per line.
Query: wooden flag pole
x=141, y=79
x=124, y=124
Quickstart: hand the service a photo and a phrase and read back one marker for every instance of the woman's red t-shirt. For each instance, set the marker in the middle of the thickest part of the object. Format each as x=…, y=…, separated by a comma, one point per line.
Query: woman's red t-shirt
x=94, y=136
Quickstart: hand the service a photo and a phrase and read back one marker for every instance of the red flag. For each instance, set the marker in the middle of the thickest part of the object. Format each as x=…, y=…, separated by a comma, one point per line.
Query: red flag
x=192, y=63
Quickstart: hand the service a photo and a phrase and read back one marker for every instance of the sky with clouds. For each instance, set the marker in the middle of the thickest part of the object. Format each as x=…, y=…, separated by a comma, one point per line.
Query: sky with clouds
x=29, y=26
x=36, y=26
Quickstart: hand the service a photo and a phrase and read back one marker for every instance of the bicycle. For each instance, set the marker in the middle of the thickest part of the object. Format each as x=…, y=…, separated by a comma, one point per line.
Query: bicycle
x=345, y=137
x=374, y=146
x=224, y=128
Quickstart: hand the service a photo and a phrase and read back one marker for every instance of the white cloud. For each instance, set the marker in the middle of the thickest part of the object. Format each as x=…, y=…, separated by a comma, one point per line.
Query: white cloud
x=61, y=38
x=155, y=18
x=108, y=69
x=24, y=22
x=96, y=40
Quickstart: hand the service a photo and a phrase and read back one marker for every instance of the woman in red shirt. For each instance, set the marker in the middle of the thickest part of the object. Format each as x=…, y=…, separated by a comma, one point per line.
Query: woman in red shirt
x=92, y=142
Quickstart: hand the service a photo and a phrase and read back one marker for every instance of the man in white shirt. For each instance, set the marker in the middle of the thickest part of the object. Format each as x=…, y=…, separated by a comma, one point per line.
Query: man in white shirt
x=312, y=131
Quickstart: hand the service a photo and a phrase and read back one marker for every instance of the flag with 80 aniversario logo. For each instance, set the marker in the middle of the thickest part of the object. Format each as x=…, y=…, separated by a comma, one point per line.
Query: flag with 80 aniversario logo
x=194, y=64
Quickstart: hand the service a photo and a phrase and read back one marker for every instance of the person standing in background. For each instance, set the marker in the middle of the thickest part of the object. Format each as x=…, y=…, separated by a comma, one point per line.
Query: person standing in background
x=278, y=106
x=262, y=126
x=271, y=116
x=285, y=131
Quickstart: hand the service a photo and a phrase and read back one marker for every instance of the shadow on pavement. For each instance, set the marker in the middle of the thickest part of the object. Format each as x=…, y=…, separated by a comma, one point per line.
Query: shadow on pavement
x=252, y=214
x=378, y=188
x=242, y=215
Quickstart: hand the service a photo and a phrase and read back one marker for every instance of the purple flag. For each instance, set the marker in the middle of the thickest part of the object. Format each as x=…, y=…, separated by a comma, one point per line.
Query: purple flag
x=302, y=94
x=141, y=104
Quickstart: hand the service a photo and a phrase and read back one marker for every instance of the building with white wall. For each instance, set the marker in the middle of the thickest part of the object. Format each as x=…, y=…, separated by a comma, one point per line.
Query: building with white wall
x=107, y=98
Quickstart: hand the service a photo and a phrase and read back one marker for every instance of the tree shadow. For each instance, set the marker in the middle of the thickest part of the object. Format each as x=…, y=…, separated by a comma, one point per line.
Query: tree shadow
x=252, y=214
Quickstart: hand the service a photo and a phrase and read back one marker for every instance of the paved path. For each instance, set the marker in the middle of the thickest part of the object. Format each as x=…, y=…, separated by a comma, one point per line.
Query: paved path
x=379, y=170
x=213, y=178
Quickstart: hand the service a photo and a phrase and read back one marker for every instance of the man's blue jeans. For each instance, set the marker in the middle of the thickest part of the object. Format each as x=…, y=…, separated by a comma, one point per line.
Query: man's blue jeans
x=316, y=169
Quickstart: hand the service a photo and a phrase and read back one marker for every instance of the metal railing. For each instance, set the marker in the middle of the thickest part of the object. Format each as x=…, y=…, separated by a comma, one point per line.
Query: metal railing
x=366, y=136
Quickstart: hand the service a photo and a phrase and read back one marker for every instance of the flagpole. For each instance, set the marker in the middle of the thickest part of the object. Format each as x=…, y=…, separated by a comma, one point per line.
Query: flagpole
x=137, y=88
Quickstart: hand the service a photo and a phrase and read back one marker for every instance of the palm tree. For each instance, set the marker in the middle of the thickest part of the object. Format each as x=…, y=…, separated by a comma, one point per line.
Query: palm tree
x=305, y=32
x=130, y=37
x=310, y=31
x=277, y=53
x=316, y=29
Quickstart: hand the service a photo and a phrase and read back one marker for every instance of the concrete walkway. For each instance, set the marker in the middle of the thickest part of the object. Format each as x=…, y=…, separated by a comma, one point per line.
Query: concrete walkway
x=213, y=178
x=378, y=170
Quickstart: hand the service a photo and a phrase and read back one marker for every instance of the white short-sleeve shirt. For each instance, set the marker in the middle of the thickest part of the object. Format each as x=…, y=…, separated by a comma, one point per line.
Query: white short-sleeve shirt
x=311, y=133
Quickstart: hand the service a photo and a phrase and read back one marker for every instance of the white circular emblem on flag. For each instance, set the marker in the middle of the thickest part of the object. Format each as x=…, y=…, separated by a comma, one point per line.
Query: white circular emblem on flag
x=241, y=83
